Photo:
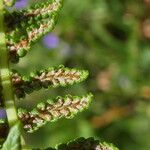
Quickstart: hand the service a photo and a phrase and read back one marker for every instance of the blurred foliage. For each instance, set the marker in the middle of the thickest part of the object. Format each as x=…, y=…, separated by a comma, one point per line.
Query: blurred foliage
x=111, y=39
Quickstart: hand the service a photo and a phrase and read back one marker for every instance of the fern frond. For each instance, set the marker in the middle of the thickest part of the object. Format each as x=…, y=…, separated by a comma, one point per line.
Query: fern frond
x=51, y=111
x=25, y=27
x=9, y=2
x=52, y=77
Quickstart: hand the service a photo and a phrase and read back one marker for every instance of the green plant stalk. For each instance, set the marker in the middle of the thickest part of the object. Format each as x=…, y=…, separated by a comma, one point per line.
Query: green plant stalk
x=8, y=100
x=8, y=96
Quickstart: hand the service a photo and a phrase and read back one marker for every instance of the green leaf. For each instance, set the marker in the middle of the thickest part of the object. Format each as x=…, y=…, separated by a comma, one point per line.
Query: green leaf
x=25, y=27
x=51, y=77
x=66, y=107
x=13, y=140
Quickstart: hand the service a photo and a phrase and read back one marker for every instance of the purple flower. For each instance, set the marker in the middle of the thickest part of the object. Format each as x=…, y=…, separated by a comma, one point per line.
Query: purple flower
x=51, y=40
x=2, y=113
x=21, y=4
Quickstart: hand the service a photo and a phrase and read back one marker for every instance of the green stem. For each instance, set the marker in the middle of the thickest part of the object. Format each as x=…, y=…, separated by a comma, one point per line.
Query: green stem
x=8, y=100
x=8, y=96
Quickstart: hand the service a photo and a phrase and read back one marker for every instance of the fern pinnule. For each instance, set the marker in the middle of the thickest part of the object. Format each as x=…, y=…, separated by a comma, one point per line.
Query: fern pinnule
x=25, y=27
x=51, y=111
x=86, y=144
x=51, y=77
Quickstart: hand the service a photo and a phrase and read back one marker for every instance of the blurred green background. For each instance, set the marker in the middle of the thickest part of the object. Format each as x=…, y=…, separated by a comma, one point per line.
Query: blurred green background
x=111, y=39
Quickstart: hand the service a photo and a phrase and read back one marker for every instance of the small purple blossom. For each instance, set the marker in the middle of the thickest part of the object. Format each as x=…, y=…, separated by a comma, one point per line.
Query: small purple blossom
x=21, y=4
x=2, y=113
x=51, y=40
